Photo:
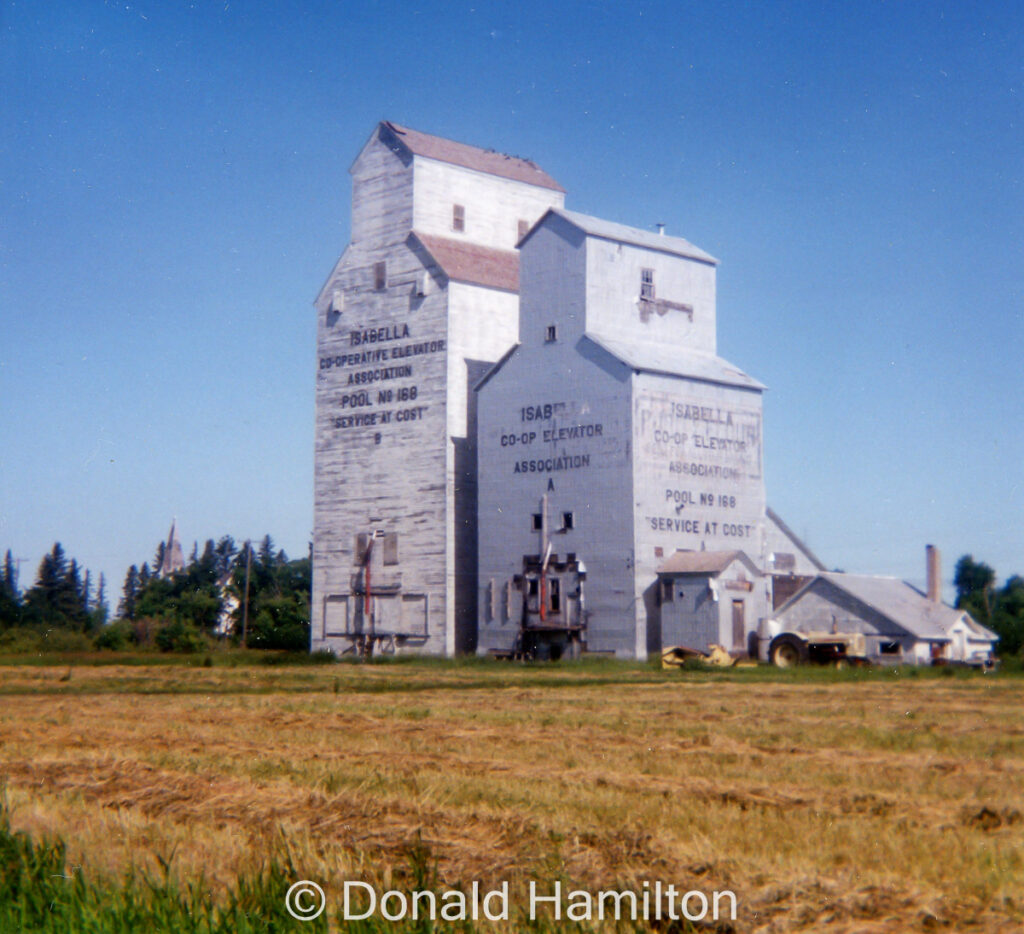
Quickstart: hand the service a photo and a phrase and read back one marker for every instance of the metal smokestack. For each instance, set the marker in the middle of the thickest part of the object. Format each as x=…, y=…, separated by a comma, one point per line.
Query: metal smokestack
x=933, y=566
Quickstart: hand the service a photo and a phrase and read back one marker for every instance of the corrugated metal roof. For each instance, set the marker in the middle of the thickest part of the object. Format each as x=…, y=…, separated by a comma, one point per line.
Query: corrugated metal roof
x=698, y=562
x=903, y=604
x=470, y=157
x=664, y=358
x=608, y=230
x=468, y=262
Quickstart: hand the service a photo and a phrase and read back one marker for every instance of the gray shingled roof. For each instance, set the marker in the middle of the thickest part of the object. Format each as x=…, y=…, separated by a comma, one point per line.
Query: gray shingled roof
x=664, y=358
x=701, y=562
x=620, y=233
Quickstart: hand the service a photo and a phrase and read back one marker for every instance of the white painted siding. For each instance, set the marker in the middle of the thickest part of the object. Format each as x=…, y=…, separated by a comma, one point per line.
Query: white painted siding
x=613, y=296
x=482, y=325
x=493, y=206
x=677, y=463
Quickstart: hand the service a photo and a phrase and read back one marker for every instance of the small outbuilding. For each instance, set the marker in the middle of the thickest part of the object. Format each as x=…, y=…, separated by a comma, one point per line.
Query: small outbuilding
x=710, y=597
x=900, y=624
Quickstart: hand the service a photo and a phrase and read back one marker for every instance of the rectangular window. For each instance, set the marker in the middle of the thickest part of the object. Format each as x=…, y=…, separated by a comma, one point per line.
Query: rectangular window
x=889, y=648
x=391, y=548
x=647, y=285
x=458, y=217
x=555, y=595
x=538, y=522
x=524, y=229
x=666, y=590
x=568, y=520
x=380, y=276
x=492, y=601
x=551, y=335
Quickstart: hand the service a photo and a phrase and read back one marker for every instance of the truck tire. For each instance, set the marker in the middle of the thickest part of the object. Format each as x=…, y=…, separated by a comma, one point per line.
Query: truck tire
x=787, y=651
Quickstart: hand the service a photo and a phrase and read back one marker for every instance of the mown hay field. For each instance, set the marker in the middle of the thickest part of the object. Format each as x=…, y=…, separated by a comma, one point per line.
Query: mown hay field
x=850, y=802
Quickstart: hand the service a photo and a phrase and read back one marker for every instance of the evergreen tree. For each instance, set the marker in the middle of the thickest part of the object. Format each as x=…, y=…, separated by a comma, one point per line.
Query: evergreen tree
x=130, y=594
x=158, y=558
x=10, y=575
x=10, y=601
x=225, y=551
x=56, y=598
x=99, y=613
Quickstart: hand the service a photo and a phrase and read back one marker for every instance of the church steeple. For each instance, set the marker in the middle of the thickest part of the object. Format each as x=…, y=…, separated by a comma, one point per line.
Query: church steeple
x=174, y=557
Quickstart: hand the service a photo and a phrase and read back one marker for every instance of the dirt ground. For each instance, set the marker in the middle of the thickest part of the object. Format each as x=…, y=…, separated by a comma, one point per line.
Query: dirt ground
x=847, y=805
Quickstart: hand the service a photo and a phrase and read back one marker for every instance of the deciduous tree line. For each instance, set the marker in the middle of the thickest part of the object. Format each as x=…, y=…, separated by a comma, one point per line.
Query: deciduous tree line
x=1001, y=609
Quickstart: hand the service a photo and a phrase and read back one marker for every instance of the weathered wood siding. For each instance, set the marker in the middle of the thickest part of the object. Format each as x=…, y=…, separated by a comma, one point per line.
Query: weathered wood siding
x=691, y=618
x=701, y=611
x=382, y=197
x=394, y=449
x=381, y=447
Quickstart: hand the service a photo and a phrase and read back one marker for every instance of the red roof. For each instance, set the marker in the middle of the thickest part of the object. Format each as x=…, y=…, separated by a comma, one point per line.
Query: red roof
x=467, y=262
x=470, y=157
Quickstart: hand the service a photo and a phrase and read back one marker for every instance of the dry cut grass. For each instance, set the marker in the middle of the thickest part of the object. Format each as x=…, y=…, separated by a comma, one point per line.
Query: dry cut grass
x=867, y=806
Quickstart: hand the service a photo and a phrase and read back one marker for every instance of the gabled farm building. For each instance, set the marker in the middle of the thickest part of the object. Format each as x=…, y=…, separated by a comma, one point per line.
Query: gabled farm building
x=899, y=622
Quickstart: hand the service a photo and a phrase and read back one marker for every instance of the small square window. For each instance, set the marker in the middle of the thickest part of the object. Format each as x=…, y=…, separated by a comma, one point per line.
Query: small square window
x=538, y=522
x=568, y=520
x=380, y=276
x=458, y=217
x=551, y=334
x=524, y=229
x=647, y=285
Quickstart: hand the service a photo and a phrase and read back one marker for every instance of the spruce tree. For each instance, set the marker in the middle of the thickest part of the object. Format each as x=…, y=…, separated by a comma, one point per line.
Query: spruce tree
x=10, y=602
x=130, y=594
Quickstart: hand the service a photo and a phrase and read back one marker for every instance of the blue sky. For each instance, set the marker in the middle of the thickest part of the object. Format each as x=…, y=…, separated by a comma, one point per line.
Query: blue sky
x=174, y=190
